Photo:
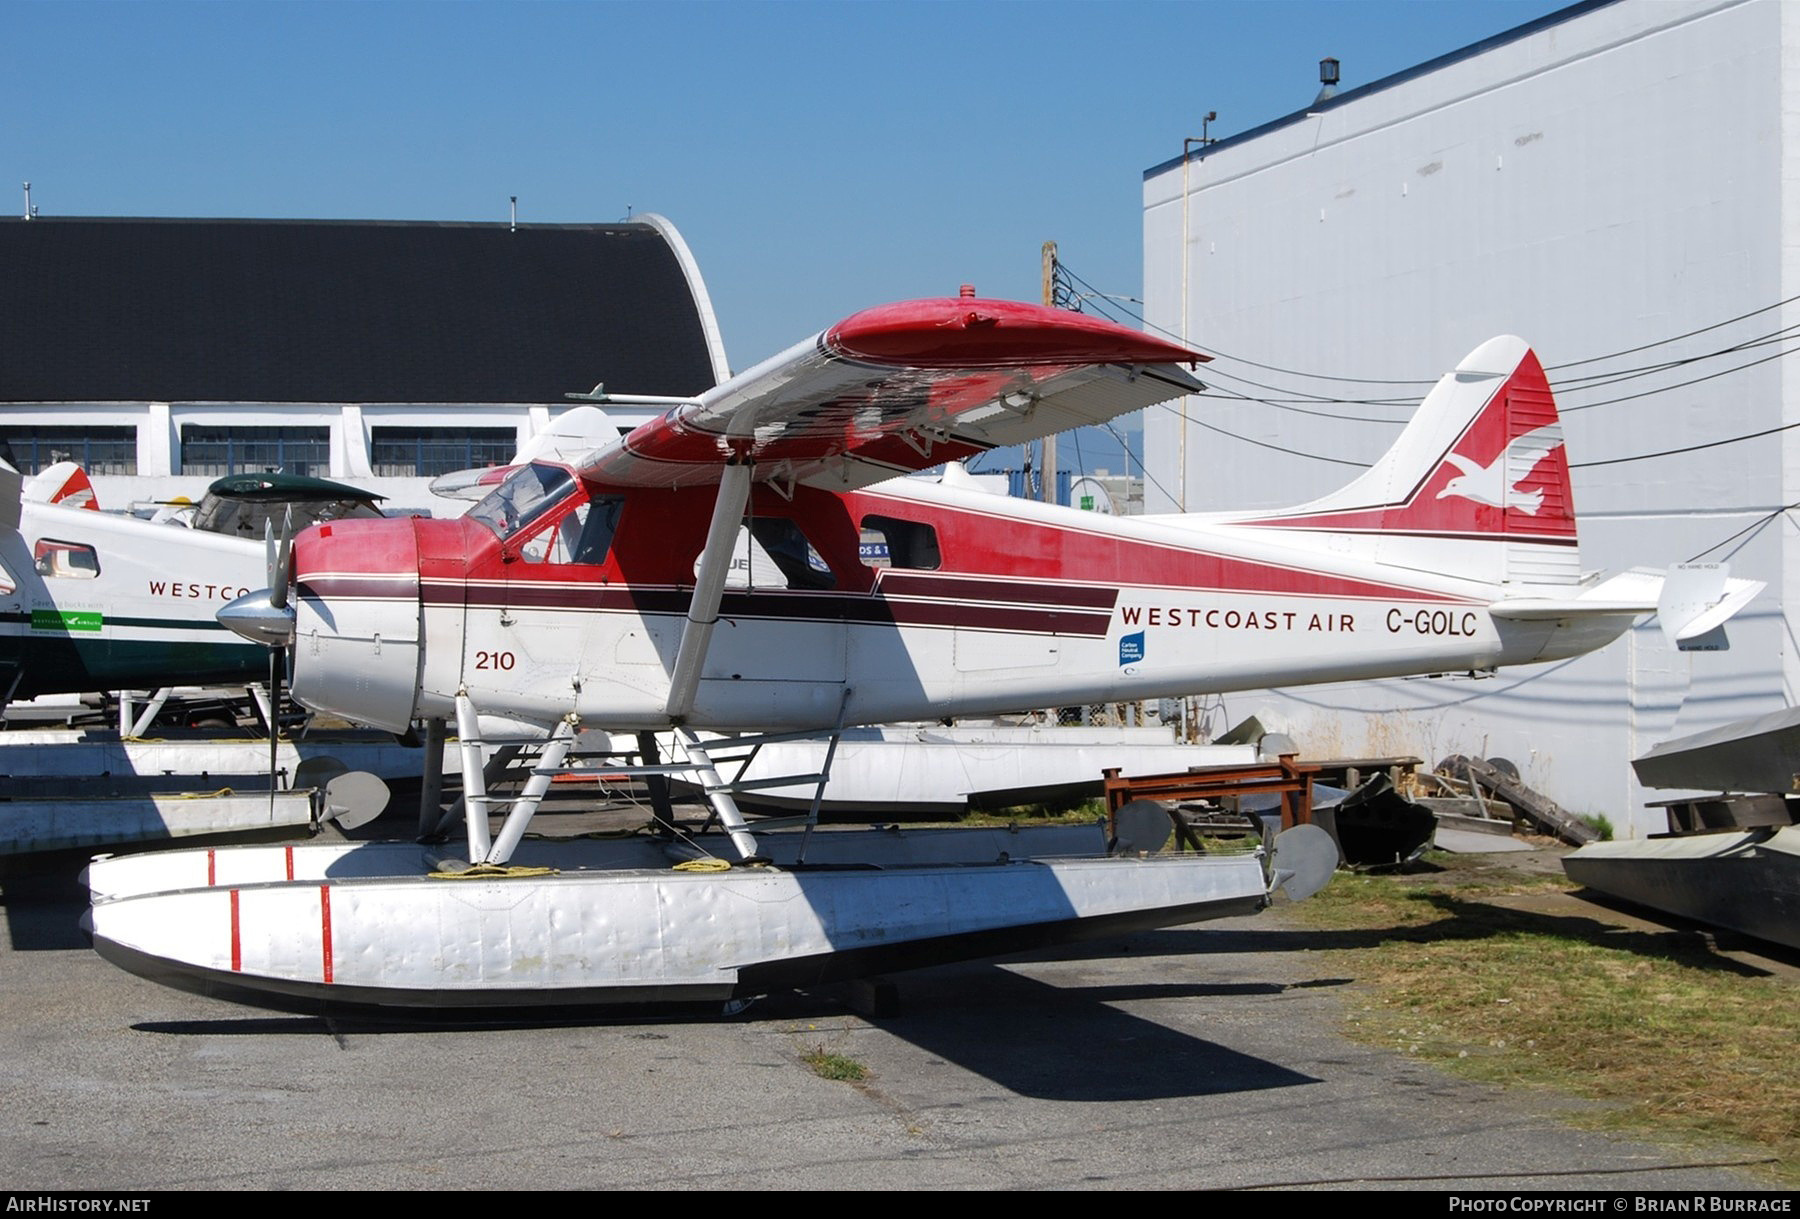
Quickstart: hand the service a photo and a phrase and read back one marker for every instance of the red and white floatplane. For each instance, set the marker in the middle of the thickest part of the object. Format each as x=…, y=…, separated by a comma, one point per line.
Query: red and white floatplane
x=597, y=594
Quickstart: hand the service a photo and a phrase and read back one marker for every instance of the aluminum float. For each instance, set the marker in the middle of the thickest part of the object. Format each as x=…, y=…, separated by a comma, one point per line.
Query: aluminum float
x=373, y=926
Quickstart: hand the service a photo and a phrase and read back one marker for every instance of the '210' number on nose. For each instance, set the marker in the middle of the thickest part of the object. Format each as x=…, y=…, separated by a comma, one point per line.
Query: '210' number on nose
x=494, y=660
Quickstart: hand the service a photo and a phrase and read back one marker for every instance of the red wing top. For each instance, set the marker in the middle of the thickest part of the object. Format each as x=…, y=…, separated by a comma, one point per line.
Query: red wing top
x=901, y=388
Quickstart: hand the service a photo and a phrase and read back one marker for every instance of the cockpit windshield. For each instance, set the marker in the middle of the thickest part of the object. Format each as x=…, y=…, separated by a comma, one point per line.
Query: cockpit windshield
x=526, y=495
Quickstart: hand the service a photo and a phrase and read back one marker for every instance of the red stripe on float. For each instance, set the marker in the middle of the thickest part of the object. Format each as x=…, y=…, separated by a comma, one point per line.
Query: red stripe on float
x=290, y=863
x=237, y=939
x=325, y=930
x=210, y=872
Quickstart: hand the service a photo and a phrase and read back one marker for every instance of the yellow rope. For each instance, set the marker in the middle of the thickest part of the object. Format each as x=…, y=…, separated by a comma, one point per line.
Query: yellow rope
x=491, y=871
x=703, y=865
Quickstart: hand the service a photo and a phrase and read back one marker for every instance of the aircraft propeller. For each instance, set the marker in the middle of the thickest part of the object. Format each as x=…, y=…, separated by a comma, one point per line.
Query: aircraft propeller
x=277, y=574
x=266, y=616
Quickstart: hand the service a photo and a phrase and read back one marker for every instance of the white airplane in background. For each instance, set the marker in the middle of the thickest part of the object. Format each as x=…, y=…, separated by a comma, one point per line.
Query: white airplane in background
x=91, y=601
x=595, y=593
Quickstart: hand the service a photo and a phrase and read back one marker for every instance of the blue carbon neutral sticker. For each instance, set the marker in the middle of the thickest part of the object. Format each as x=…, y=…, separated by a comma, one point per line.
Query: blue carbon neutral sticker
x=1131, y=648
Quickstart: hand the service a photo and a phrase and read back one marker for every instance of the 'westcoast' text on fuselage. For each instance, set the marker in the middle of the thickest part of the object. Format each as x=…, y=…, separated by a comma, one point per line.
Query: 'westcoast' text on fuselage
x=212, y=592
x=1236, y=619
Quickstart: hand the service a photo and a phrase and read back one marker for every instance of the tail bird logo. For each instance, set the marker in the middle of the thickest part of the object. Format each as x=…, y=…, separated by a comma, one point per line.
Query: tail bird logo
x=1511, y=470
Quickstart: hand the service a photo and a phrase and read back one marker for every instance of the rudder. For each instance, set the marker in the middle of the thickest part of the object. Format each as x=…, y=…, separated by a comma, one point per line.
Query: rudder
x=1481, y=462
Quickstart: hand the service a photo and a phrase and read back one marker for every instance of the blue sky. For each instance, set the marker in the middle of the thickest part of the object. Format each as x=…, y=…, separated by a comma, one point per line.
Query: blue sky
x=818, y=157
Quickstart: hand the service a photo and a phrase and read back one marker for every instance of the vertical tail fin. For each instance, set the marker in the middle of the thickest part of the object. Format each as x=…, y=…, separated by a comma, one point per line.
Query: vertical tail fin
x=64, y=483
x=1476, y=486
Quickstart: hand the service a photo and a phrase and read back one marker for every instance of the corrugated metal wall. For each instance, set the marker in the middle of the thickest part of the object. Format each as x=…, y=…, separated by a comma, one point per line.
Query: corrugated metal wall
x=1612, y=180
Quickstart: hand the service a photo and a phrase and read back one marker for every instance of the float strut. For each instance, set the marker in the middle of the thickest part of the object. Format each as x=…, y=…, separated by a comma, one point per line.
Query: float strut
x=549, y=760
x=662, y=809
x=431, y=786
x=718, y=795
x=475, y=797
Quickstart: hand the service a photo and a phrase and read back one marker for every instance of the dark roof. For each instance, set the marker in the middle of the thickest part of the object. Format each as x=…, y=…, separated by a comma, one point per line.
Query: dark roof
x=110, y=310
x=1548, y=20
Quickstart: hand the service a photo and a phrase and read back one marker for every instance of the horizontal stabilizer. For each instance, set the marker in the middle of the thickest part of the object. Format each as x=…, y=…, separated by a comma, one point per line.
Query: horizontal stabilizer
x=1698, y=599
x=1692, y=602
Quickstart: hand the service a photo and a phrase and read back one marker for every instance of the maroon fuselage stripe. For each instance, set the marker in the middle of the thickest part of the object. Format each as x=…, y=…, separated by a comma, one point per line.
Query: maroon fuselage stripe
x=896, y=583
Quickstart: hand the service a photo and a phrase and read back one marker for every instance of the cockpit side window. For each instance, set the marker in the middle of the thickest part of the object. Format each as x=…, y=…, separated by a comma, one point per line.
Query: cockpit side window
x=66, y=560
x=583, y=535
x=526, y=495
x=598, y=529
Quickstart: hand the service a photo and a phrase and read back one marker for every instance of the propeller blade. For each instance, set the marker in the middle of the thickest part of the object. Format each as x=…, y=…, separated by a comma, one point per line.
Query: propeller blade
x=274, y=722
x=279, y=555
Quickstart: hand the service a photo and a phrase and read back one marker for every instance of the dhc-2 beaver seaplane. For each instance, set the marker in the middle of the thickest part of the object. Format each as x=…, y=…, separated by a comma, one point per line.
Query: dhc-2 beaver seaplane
x=598, y=595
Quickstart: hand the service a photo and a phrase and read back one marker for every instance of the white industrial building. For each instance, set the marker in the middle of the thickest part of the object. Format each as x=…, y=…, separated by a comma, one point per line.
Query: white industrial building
x=1619, y=183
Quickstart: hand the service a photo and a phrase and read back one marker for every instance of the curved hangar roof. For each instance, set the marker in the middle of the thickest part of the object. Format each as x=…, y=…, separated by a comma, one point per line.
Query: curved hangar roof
x=135, y=310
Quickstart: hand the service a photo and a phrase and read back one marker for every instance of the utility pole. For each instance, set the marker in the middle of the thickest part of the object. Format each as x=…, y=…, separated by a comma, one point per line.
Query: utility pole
x=1049, y=471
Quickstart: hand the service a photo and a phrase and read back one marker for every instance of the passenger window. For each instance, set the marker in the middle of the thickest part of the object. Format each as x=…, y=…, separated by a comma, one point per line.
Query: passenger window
x=890, y=542
x=66, y=560
x=800, y=564
x=772, y=552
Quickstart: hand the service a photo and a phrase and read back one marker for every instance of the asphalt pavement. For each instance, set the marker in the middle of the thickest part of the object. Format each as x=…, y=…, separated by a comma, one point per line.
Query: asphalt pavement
x=1198, y=1058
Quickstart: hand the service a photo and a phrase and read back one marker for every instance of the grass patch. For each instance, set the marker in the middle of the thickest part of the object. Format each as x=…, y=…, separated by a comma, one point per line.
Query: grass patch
x=1089, y=811
x=1602, y=824
x=827, y=1065
x=1673, y=1040
x=1085, y=813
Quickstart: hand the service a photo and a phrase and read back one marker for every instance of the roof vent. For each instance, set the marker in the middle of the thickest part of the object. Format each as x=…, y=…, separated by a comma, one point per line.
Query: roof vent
x=1328, y=80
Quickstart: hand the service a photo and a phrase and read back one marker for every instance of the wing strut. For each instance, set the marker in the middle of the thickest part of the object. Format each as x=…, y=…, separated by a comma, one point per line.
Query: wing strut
x=709, y=588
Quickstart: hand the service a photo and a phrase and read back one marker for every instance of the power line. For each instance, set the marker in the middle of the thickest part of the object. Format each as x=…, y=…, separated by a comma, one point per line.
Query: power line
x=1588, y=406
x=1692, y=448
x=1753, y=528
x=1566, y=385
x=1593, y=381
x=1261, y=444
x=1142, y=468
x=1677, y=338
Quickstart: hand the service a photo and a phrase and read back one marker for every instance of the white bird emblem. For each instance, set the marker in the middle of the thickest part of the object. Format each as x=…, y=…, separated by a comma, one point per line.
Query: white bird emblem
x=1489, y=484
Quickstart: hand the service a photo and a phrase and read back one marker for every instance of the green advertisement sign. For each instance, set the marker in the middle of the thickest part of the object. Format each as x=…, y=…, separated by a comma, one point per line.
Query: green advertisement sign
x=65, y=620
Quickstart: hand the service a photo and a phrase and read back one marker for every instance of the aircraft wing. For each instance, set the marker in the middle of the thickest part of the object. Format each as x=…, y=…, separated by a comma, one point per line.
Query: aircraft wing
x=901, y=388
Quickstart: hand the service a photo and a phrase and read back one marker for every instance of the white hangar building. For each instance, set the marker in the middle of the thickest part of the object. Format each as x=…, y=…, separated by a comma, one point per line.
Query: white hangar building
x=1618, y=183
